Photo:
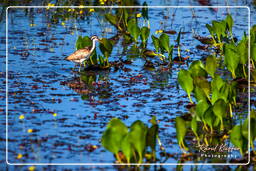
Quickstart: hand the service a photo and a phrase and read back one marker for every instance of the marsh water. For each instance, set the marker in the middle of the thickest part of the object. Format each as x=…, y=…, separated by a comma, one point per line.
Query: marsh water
x=68, y=110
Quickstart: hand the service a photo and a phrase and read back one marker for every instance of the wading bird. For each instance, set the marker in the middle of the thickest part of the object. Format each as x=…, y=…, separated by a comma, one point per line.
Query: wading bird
x=81, y=55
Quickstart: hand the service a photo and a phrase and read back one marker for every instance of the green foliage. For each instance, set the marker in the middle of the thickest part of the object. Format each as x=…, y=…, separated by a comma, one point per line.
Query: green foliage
x=83, y=42
x=132, y=142
x=211, y=65
x=236, y=137
x=133, y=29
x=156, y=43
x=196, y=69
x=106, y=47
x=138, y=133
x=232, y=58
x=145, y=11
x=186, y=82
x=220, y=110
x=112, y=137
x=181, y=132
x=144, y=34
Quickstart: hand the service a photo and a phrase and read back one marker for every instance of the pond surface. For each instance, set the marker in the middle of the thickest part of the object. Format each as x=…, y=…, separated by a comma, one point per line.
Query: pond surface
x=68, y=111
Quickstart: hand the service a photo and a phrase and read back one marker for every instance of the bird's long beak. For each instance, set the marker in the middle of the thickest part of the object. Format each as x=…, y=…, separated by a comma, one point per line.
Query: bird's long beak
x=100, y=40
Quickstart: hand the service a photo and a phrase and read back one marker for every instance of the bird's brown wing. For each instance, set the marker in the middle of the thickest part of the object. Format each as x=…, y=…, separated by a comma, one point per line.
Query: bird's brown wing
x=79, y=54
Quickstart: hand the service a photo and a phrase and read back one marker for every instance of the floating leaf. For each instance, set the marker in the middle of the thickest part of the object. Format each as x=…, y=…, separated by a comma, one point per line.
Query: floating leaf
x=186, y=82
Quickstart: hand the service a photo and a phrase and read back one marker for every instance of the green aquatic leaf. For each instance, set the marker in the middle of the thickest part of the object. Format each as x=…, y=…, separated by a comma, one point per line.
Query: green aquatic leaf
x=112, y=19
x=194, y=126
x=204, y=85
x=236, y=137
x=199, y=94
x=164, y=42
x=201, y=108
x=133, y=29
x=196, y=69
x=127, y=148
x=113, y=135
x=180, y=131
x=219, y=28
x=209, y=118
x=145, y=11
x=138, y=132
x=243, y=51
x=230, y=22
x=83, y=42
x=156, y=43
x=253, y=51
x=178, y=38
x=144, y=34
x=217, y=82
x=186, y=82
x=152, y=136
x=210, y=29
x=211, y=65
x=232, y=58
x=106, y=47
x=220, y=110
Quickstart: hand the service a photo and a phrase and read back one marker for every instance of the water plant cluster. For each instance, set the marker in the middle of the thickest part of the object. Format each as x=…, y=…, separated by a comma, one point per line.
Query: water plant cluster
x=212, y=85
x=215, y=95
x=134, y=144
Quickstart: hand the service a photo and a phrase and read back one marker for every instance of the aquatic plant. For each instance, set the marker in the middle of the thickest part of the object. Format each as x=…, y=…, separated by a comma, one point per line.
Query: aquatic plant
x=129, y=144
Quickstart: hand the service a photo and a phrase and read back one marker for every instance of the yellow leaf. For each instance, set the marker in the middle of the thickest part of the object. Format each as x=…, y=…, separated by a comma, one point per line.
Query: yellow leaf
x=21, y=117
x=62, y=23
x=19, y=156
x=30, y=130
x=55, y=114
x=81, y=12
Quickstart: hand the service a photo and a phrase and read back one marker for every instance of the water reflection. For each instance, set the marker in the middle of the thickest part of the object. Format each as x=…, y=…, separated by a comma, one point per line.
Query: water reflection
x=91, y=85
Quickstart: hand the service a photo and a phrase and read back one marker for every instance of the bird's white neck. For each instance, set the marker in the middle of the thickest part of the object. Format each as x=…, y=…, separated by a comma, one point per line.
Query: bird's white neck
x=93, y=45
